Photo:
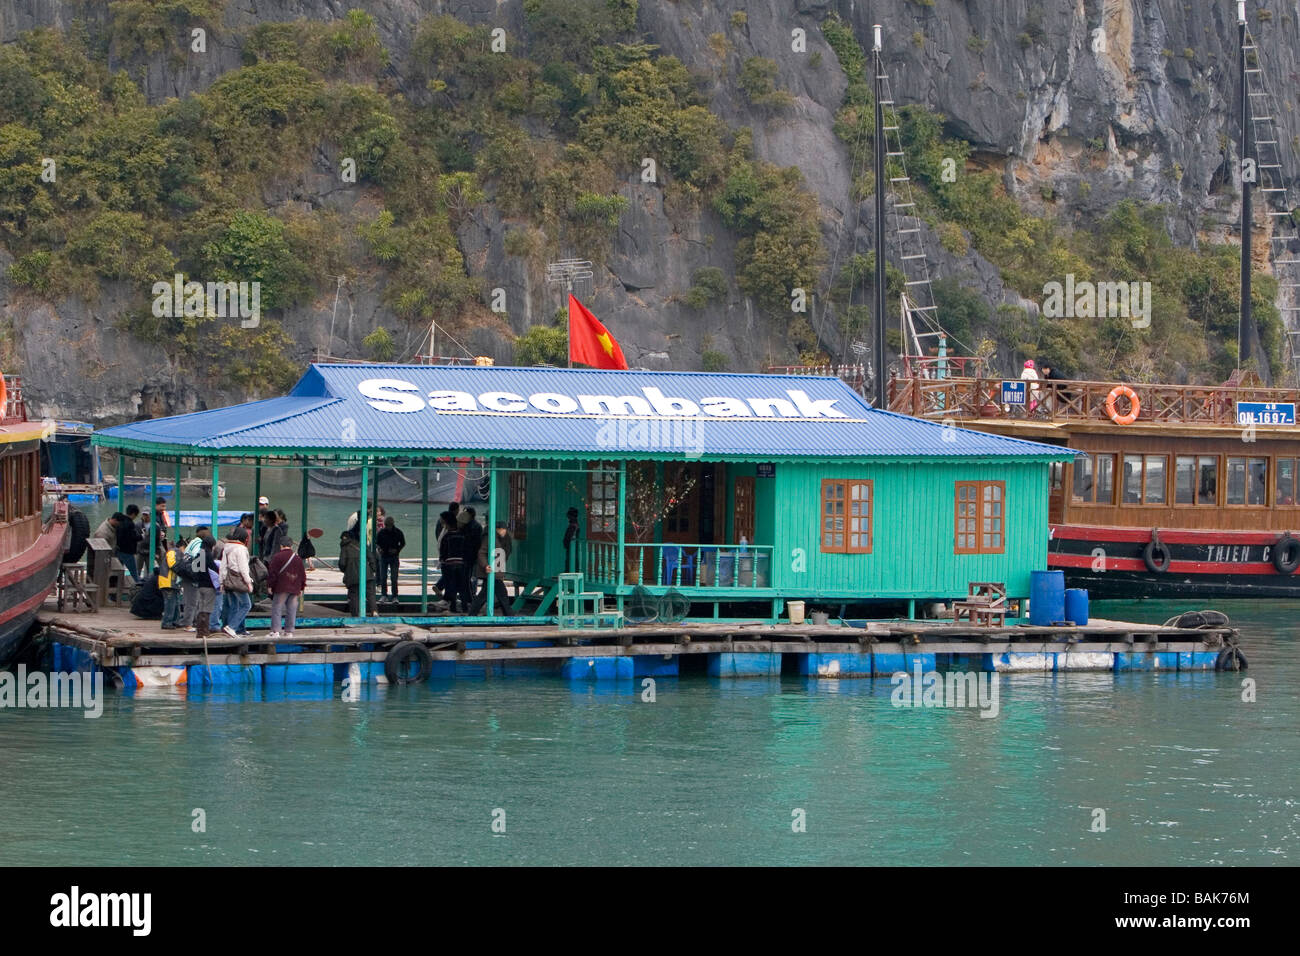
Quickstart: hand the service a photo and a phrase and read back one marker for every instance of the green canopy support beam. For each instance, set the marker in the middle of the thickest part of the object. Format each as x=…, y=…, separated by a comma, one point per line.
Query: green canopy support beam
x=154, y=514
x=491, y=580
x=176, y=501
x=622, y=526
x=216, y=480
x=305, y=499
x=121, y=484
x=424, y=540
x=257, y=507
x=362, y=536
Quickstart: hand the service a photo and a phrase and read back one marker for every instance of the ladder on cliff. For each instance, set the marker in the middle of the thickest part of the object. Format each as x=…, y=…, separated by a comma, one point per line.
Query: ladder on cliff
x=918, y=307
x=1280, y=203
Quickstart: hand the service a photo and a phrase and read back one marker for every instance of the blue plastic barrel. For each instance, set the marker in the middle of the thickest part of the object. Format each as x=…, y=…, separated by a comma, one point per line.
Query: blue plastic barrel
x=1046, y=597
x=1076, y=606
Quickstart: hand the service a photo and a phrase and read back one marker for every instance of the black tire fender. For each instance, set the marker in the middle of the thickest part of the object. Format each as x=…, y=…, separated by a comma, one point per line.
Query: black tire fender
x=1156, y=557
x=397, y=665
x=1286, y=554
x=1230, y=659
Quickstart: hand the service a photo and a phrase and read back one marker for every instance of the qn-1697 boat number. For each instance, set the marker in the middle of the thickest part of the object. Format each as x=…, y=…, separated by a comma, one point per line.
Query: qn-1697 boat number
x=1266, y=413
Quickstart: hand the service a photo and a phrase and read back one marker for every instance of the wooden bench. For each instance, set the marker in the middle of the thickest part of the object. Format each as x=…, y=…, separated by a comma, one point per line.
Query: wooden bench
x=985, y=604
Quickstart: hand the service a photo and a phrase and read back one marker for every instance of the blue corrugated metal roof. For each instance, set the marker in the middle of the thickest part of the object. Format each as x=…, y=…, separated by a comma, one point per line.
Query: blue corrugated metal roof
x=414, y=408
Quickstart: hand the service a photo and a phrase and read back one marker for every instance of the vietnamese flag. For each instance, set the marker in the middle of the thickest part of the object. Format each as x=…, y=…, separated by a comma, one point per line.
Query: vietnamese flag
x=589, y=341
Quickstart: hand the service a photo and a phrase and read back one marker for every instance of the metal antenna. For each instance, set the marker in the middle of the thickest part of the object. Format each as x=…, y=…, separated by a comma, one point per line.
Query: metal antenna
x=567, y=271
x=329, y=346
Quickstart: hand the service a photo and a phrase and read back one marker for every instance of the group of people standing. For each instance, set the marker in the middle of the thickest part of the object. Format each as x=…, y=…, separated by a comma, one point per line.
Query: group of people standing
x=206, y=584
x=464, y=550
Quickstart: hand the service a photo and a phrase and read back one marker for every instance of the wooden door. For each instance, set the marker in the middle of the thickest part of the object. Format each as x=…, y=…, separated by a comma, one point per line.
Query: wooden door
x=681, y=522
x=743, y=520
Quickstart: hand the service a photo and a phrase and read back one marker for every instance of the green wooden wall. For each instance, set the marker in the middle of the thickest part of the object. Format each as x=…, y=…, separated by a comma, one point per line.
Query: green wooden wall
x=913, y=531
x=913, y=528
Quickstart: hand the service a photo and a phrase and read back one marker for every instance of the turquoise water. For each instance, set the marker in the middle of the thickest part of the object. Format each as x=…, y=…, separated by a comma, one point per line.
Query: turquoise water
x=710, y=773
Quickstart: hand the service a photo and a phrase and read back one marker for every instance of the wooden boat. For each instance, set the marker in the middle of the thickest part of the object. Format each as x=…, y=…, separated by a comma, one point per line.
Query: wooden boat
x=1199, y=496
x=459, y=481
x=1177, y=490
x=70, y=465
x=30, y=551
x=194, y=488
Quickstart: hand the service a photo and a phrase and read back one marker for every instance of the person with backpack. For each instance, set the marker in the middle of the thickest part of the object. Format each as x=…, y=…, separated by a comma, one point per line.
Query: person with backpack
x=197, y=590
x=170, y=585
x=287, y=577
x=236, y=582
x=350, y=565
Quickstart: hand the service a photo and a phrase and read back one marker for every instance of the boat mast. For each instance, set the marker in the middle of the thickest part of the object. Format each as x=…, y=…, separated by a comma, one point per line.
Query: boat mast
x=1246, y=182
x=878, y=144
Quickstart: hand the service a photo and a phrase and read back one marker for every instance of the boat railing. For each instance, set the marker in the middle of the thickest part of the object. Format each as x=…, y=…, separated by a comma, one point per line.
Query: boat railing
x=1059, y=400
x=855, y=376
x=679, y=565
x=15, y=410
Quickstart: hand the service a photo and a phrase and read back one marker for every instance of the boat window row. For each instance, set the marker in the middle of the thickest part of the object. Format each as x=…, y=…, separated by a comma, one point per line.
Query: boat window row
x=979, y=517
x=1193, y=480
x=20, y=487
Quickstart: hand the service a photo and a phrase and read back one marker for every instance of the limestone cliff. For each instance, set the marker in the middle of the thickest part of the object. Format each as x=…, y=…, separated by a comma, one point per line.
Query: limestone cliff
x=1078, y=104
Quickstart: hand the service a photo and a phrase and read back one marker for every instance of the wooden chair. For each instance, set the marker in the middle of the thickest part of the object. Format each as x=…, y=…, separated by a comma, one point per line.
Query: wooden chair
x=73, y=588
x=985, y=604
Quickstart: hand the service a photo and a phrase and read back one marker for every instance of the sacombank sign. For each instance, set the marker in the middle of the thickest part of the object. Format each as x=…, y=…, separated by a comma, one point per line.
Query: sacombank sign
x=396, y=395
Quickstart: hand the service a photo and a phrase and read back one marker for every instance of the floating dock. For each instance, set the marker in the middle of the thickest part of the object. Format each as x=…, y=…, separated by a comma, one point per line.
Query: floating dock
x=139, y=653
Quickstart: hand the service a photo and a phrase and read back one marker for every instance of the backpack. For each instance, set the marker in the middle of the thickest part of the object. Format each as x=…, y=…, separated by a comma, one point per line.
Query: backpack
x=191, y=564
x=260, y=574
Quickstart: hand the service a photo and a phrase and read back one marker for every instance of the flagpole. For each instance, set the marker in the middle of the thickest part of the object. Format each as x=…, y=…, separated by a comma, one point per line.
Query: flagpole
x=566, y=271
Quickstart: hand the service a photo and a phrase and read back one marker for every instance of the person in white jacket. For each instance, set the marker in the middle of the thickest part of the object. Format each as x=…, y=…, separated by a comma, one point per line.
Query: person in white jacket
x=236, y=582
x=1030, y=374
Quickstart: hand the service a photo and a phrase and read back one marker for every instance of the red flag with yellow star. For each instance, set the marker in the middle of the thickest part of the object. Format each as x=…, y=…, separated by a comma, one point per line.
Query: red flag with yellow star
x=589, y=341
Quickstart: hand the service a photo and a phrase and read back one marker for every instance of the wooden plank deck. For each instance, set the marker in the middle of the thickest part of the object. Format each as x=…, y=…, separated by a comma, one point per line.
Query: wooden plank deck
x=114, y=638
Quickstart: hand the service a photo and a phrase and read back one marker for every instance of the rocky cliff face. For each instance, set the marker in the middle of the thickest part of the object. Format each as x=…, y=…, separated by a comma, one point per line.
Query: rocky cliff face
x=1078, y=103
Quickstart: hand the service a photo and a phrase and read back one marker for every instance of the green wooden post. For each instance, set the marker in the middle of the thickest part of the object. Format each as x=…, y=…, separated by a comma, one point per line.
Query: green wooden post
x=176, y=503
x=491, y=579
x=305, y=499
x=216, y=480
x=622, y=529
x=153, y=514
x=424, y=540
x=257, y=507
x=361, y=534
x=121, y=482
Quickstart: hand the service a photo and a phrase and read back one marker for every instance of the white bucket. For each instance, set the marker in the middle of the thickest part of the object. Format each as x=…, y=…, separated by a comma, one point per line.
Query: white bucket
x=795, y=609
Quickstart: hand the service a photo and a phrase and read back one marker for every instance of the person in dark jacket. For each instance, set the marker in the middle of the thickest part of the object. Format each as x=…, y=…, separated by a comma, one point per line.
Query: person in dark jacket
x=350, y=565
x=389, y=542
x=570, y=541
x=128, y=539
x=273, y=535
x=473, y=541
x=451, y=559
x=286, y=578
x=198, y=592
x=504, y=545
